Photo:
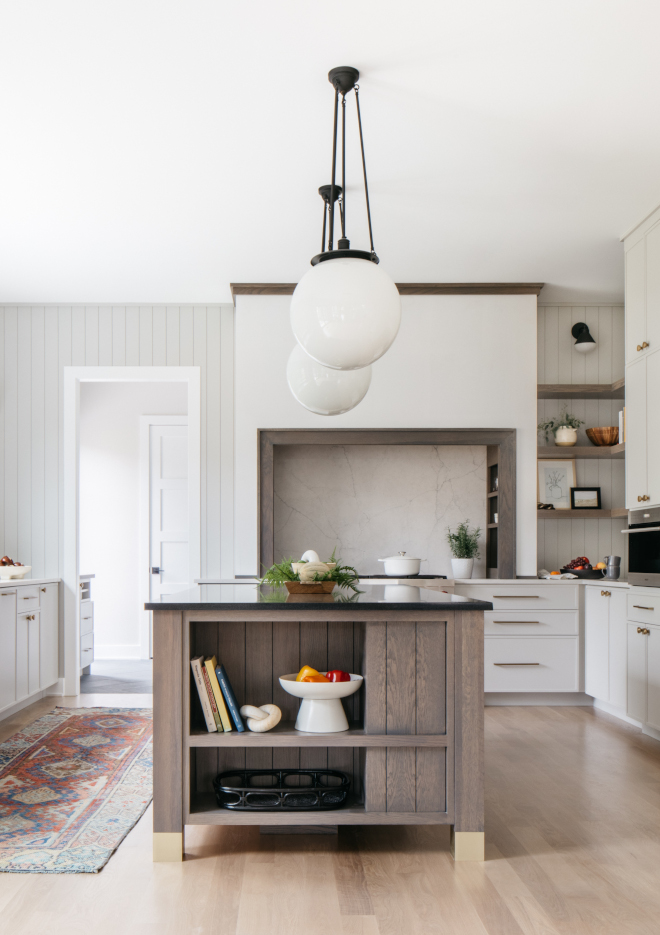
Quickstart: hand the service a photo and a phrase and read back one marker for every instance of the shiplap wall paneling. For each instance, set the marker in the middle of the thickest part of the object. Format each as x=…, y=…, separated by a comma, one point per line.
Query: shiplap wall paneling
x=37, y=342
x=558, y=362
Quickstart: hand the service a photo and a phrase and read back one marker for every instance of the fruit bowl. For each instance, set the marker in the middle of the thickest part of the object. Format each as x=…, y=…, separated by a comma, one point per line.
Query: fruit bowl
x=591, y=573
x=13, y=571
x=604, y=436
x=321, y=711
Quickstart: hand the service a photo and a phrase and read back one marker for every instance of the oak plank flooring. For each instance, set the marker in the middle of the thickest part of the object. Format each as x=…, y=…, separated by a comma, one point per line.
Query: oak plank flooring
x=572, y=845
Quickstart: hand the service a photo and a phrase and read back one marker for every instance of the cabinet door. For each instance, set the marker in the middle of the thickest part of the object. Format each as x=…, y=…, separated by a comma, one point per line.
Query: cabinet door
x=596, y=643
x=635, y=299
x=653, y=677
x=653, y=427
x=21, y=656
x=618, y=649
x=636, y=706
x=636, y=474
x=33, y=653
x=652, y=335
x=7, y=648
x=48, y=636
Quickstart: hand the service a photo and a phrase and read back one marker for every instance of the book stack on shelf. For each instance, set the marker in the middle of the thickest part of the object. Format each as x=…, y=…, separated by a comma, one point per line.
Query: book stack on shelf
x=216, y=695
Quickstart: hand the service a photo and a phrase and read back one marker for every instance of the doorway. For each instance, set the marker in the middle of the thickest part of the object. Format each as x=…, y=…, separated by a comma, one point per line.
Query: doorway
x=132, y=483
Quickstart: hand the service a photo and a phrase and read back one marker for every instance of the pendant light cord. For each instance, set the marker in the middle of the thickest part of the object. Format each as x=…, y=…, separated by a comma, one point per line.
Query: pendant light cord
x=364, y=166
x=342, y=203
x=331, y=234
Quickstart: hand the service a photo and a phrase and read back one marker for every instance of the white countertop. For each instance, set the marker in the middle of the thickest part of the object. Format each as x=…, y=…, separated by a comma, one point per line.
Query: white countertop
x=13, y=582
x=619, y=583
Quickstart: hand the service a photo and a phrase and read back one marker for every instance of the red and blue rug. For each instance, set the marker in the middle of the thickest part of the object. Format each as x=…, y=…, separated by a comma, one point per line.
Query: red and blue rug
x=72, y=785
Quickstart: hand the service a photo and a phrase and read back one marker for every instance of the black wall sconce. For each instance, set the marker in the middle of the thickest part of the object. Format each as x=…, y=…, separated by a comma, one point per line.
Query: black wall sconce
x=584, y=343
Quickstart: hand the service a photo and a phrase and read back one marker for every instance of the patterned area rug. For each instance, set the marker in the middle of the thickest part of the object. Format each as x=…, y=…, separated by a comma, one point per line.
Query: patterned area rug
x=72, y=785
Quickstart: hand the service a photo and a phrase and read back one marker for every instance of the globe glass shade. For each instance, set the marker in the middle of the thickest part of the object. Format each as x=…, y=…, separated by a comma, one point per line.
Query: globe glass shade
x=324, y=391
x=585, y=347
x=345, y=313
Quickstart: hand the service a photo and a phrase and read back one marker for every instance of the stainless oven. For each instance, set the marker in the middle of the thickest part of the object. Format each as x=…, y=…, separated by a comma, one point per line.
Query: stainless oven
x=643, y=535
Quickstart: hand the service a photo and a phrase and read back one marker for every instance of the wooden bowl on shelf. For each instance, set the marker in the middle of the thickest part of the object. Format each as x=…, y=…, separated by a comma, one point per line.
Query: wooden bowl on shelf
x=315, y=587
x=604, y=436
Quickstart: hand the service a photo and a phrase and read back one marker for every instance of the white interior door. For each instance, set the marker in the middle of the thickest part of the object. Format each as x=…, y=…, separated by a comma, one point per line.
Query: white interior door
x=168, y=509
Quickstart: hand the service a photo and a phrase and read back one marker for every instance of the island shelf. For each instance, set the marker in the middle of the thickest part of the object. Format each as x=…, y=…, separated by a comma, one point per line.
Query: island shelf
x=414, y=748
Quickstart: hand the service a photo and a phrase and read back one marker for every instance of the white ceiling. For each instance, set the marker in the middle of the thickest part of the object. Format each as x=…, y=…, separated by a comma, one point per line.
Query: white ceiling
x=156, y=150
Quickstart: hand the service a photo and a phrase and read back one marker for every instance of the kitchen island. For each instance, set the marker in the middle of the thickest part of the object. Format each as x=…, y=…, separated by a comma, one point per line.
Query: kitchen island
x=414, y=747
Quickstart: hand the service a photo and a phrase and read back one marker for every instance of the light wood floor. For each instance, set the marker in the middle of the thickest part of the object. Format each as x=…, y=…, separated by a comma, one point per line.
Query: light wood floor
x=573, y=847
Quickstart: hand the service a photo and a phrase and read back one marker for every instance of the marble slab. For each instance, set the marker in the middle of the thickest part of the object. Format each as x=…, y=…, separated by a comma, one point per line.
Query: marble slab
x=372, y=501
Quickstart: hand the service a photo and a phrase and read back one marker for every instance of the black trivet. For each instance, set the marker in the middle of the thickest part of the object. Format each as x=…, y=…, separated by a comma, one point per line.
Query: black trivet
x=281, y=795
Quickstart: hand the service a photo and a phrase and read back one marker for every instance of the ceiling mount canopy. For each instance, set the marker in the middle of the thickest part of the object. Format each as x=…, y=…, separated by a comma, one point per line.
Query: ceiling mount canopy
x=346, y=311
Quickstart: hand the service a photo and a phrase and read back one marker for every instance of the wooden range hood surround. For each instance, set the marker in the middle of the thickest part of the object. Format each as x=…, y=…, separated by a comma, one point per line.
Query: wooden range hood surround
x=500, y=442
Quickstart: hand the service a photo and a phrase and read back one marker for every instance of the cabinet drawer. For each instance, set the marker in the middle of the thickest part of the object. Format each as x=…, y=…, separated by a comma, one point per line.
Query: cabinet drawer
x=524, y=597
x=86, y=625
x=531, y=665
x=86, y=610
x=529, y=623
x=642, y=608
x=86, y=641
x=27, y=599
x=86, y=657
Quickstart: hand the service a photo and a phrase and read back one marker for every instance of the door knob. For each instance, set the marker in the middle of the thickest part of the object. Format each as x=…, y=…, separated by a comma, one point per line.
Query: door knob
x=642, y=346
x=155, y=571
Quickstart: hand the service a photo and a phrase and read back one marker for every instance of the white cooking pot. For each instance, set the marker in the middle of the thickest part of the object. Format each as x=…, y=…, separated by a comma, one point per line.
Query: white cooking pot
x=401, y=564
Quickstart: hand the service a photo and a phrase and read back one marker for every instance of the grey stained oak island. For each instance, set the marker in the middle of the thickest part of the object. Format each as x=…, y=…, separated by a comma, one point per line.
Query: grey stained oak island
x=414, y=748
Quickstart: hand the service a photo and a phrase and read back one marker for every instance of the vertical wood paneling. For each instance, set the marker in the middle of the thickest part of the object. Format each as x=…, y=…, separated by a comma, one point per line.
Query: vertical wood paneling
x=36, y=343
x=560, y=540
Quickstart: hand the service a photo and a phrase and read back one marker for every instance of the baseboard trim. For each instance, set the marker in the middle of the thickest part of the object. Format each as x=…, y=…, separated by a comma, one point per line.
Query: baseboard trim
x=57, y=688
x=616, y=712
x=553, y=699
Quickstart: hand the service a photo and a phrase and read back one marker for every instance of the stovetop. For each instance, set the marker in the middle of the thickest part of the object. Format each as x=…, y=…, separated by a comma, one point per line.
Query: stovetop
x=417, y=577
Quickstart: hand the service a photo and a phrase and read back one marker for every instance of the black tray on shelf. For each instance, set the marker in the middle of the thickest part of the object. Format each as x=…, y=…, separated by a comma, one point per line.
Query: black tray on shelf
x=245, y=795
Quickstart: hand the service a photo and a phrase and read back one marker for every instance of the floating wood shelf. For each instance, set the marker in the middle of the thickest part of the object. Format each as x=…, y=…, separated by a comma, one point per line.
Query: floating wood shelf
x=554, y=453
x=614, y=390
x=493, y=525
x=493, y=493
x=582, y=514
x=285, y=735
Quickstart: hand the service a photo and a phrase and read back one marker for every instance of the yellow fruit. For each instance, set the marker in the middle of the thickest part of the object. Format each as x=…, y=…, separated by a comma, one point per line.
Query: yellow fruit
x=600, y=565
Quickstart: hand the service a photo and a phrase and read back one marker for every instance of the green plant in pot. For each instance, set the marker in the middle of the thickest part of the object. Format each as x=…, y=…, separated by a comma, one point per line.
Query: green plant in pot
x=321, y=579
x=464, y=545
x=564, y=428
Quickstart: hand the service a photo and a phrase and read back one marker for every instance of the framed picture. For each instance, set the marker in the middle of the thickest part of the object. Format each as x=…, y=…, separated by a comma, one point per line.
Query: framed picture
x=585, y=498
x=555, y=479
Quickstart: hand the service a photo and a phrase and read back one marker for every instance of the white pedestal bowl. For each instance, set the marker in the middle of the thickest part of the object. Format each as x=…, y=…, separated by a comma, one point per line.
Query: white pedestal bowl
x=321, y=711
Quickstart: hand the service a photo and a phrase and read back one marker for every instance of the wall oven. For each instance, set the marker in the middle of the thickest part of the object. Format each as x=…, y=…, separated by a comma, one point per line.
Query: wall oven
x=643, y=535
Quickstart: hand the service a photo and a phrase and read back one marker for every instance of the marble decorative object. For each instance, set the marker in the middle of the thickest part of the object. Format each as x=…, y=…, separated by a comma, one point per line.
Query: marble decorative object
x=375, y=500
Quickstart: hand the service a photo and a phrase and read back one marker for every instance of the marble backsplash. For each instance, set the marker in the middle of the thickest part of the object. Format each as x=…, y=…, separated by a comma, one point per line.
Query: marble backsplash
x=372, y=501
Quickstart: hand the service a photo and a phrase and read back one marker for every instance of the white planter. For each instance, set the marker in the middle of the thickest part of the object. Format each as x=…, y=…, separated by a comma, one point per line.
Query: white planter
x=462, y=567
x=565, y=437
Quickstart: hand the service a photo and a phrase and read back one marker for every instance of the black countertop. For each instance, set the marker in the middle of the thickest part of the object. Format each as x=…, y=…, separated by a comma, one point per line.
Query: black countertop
x=249, y=597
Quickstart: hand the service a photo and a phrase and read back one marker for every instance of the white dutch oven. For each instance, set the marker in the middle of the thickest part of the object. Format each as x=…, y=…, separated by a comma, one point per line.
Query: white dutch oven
x=401, y=564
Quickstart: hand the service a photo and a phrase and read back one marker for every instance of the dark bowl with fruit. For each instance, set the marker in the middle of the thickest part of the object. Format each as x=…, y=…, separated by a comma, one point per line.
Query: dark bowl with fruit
x=581, y=567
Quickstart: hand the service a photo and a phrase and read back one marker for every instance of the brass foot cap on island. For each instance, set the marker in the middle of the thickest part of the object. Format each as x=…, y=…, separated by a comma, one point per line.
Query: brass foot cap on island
x=467, y=845
x=168, y=846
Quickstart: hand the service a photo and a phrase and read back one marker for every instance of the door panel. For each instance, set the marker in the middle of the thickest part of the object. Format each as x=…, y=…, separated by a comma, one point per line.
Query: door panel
x=653, y=677
x=7, y=648
x=169, y=514
x=597, y=644
x=49, y=636
x=21, y=657
x=636, y=706
x=635, y=299
x=33, y=653
x=653, y=427
x=652, y=335
x=618, y=649
x=636, y=453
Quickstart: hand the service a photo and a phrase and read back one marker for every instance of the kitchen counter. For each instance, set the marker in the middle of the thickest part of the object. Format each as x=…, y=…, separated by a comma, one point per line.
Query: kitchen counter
x=414, y=747
x=619, y=583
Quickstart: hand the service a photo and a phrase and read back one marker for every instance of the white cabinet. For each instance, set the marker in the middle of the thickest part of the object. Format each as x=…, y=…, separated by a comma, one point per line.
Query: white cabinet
x=605, y=672
x=653, y=677
x=86, y=624
x=644, y=656
x=7, y=648
x=636, y=707
x=636, y=437
x=29, y=640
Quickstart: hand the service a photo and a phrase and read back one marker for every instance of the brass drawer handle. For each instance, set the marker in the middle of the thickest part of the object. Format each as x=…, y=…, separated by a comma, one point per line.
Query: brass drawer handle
x=8, y=593
x=606, y=594
x=643, y=498
x=642, y=346
x=641, y=607
x=43, y=589
x=507, y=622
x=643, y=630
x=516, y=663
x=517, y=597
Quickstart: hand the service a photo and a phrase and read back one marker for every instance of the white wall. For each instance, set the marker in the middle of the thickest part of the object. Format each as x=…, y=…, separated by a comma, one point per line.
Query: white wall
x=36, y=343
x=458, y=361
x=559, y=540
x=110, y=504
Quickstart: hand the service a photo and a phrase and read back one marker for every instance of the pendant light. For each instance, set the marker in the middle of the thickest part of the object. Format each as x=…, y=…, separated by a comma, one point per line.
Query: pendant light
x=324, y=391
x=346, y=311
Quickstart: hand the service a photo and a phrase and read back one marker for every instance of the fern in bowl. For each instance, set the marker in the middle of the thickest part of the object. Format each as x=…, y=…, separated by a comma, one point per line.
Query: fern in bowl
x=283, y=574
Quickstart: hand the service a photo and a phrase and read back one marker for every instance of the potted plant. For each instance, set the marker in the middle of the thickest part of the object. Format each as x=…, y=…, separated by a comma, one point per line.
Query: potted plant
x=564, y=428
x=464, y=545
x=322, y=576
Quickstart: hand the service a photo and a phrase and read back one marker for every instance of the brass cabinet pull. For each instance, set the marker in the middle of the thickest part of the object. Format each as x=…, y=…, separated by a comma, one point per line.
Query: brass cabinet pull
x=641, y=607
x=507, y=622
x=8, y=593
x=516, y=663
x=82, y=584
x=43, y=589
x=642, y=498
x=606, y=594
x=644, y=631
x=26, y=598
x=517, y=597
x=642, y=346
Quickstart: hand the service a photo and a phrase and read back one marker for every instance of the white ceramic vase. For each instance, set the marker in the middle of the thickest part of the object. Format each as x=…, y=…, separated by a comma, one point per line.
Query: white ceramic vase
x=462, y=567
x=565, y=436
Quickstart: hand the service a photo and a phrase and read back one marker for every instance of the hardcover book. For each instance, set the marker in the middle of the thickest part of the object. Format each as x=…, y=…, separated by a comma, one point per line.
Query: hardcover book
x=196, y=666
x=230, y=698
x=214, y=707
x=211, y=662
